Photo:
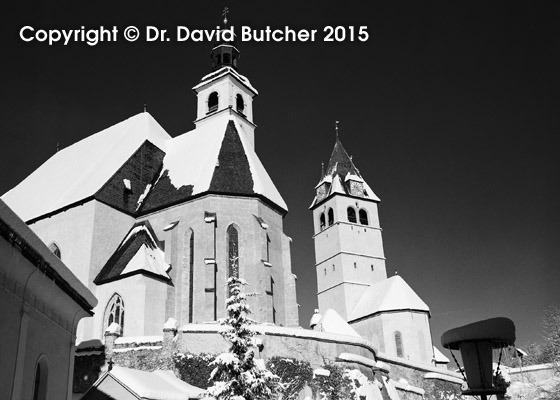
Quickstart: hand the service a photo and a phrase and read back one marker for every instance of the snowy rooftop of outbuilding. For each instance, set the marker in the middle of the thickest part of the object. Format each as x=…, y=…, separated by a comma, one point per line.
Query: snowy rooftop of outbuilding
x=156, y=385
x=332, y=322
x=80, y=170
x=392, y=294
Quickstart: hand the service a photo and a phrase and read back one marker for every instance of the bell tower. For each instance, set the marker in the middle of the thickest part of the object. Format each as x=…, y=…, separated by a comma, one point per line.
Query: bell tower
x=349, y=253
x=224, y=92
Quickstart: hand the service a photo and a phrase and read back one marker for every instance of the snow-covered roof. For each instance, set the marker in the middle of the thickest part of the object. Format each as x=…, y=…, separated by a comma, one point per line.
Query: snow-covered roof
x=392, y=294
x=439, y=358
x=340, y=170
x=137, y=253
x=215, y=75
x=332, y=322
x=156, y=385
x=500, y=331
x=80, y=170
x=215, y=157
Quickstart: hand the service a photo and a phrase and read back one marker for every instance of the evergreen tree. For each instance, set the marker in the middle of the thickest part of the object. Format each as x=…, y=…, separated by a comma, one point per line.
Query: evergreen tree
x=237, y=375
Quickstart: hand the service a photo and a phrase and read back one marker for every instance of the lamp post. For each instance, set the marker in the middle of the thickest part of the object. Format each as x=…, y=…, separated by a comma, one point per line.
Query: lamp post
x=475, y=342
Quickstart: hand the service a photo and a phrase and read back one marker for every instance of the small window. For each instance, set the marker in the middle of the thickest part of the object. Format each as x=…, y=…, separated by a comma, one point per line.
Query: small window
x=213, y=102
x=55, y=250
x=351, y=215
x=239, y=103
x=227, y=58
x=322, y=221
x=355, y=265
x=399, y=344
x=325, y=271
x=219, y=59
x=333, y=267
x=267, y=248
x=372, y=267
x=331, y=216
x=363, y=217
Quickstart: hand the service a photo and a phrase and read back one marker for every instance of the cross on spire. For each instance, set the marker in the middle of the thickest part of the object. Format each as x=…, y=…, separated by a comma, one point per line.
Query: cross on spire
x=225, y=13
x=336, y=128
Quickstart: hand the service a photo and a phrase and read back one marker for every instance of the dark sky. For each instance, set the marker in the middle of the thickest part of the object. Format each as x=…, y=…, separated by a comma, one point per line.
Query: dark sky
x=450, y=112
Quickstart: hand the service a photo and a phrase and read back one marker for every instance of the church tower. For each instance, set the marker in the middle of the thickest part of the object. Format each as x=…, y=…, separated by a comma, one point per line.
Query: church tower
x=224, y=91
x=348, y=245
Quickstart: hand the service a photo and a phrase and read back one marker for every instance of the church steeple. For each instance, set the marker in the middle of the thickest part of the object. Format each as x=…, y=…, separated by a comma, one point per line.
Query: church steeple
x=342, y=177
x=348, y=245
x=225, y=52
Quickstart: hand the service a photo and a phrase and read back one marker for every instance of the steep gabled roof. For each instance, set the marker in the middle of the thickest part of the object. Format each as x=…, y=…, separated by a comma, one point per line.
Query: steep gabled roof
x=340, y=170
x=136, y=167
x=217, y=158
x=80, y=170
x=137, y=253
x=332, y=322
x=392, y=294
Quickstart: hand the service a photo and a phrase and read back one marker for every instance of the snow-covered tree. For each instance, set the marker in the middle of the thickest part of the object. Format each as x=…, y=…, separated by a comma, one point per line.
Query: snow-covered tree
x=237, y=375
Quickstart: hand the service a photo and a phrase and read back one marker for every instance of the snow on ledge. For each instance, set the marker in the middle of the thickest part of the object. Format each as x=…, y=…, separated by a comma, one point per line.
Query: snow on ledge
x=402, y=384
x=442, y=377
x=274, y=330
x=417, y=365
x=139, y=339
x=125, y=350
x=354, y=358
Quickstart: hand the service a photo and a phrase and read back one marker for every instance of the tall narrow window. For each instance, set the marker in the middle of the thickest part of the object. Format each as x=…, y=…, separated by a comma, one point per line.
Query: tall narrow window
x=363, y=217
x=399, y=344
x=233, y=252
x=191, y=276
x=239, y=103
x=322, y=221
x=115, y=312
x=41, y=375
x=331, y=216
x=213, y=102
x=267, y=248
x=351, y=214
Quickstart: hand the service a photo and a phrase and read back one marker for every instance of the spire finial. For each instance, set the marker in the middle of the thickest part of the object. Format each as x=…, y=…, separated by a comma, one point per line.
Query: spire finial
x=225, y=13
x=336, y=128
x=57, y=147
x=145, y=107
x=322, y=169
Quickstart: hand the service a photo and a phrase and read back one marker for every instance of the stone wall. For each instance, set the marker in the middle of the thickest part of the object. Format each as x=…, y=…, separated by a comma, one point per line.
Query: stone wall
x=411, y=381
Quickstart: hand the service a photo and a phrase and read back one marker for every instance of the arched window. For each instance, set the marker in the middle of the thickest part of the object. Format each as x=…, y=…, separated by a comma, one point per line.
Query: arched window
x=239, y=103
x=363, y=217
x=399, y=344
x=351, y=214
x=322, y=221
x=115, y=312
x=226, y=58
x=233, y=251
x=331, y=216
x=53, y=247
x=41, y=376
x=191, y=276
x=213, y=102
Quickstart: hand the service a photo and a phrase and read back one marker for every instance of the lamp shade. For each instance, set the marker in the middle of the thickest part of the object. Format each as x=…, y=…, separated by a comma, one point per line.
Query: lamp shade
x=476, y=341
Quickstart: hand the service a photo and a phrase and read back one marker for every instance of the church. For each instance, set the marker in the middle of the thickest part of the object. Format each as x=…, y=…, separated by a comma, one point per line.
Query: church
x=151, y=223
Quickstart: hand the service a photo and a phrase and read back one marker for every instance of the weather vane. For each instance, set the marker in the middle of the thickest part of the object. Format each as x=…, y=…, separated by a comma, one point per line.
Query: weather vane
x=225, y=13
